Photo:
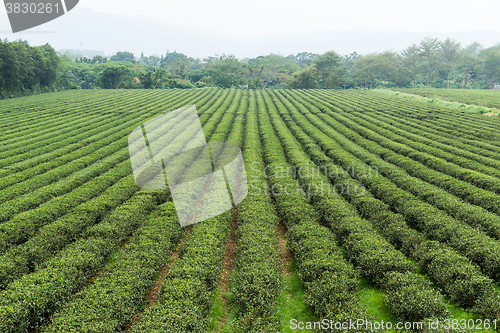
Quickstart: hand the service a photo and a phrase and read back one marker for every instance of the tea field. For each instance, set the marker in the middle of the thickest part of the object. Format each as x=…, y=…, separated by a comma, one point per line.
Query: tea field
x=360, y=206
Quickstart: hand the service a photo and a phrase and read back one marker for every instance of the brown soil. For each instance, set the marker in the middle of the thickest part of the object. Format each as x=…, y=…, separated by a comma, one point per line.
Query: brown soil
x=153, y=294
x=286, y=256
x=225, y=276
x=490, y=114
x=230, y=253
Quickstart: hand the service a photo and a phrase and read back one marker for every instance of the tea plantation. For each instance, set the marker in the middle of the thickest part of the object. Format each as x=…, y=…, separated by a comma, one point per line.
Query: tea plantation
x=360, y=206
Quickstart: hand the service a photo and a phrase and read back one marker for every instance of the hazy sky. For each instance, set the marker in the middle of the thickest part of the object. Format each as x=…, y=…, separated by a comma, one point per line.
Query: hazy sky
x=257, y=27
x=289, y=17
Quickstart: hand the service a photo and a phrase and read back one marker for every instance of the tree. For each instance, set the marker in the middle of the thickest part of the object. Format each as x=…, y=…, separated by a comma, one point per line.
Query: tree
x=26, y=69
x=170, y=58
x=161, y=77
x=227, y=67
x=350, y=60
x=304, y=58
x=307, y=78
x=83, y=60
x=123, y=56
x=268, y=76
x=491, y=64
x=197, y=75
x=429, y=48
x=12, y=61
x=179, y=67
x=386, y=64
x=147, y=80
x=411, y=57
x=49, y=65
x=331, y=70
x=272, y=70
x=2, y=82
x=99, y=60
x=469, y=63
x=113, y=76
x=400, y=75
x=227, y=80
x=364, y=69
x=451, y=51
x=151, y=61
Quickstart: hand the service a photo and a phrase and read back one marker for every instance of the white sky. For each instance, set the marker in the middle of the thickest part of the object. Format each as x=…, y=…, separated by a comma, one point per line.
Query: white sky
x=316, y=20
x=291, y=17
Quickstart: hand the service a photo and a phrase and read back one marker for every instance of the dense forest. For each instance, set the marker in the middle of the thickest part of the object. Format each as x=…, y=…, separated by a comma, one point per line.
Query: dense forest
x=29, y=69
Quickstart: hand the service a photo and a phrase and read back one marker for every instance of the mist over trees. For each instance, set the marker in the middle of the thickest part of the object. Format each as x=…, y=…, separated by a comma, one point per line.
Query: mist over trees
x=431, y=63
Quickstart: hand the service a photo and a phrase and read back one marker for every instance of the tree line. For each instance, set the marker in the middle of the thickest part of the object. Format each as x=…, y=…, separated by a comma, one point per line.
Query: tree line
x=431, y=63
x=27, y=69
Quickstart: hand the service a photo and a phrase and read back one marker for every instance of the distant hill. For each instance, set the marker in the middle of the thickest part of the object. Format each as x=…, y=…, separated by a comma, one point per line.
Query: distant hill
x=112, y=33
x=76, y=54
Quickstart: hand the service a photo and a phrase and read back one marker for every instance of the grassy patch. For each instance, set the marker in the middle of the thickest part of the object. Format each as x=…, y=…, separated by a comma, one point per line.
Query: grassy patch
x=443, y=103
x=218, y=312
x=224, y=313
x=373, y=301
x=291, y=303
